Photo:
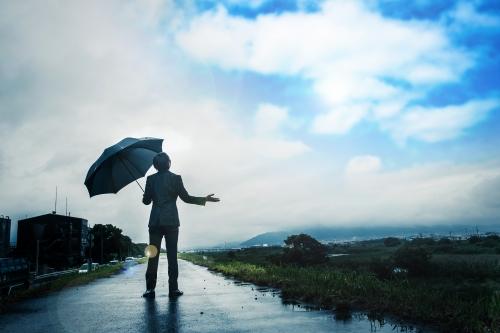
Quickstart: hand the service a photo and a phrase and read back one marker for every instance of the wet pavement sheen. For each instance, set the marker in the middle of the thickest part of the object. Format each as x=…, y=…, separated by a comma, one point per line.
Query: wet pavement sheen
x=211, y=303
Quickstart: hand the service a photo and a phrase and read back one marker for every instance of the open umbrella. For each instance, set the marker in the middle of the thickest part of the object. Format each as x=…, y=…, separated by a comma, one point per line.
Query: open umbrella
x=121, y=164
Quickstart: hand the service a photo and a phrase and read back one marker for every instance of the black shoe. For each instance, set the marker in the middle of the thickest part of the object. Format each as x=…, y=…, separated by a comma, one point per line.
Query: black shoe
x=175, y=293
x=149, y=294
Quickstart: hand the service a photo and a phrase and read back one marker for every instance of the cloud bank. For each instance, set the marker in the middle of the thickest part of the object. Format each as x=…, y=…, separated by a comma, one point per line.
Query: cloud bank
x=363, y=66
x=78, y=77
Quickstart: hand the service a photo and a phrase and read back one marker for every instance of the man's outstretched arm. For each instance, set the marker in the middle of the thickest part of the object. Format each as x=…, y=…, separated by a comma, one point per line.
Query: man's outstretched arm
x=184, y=195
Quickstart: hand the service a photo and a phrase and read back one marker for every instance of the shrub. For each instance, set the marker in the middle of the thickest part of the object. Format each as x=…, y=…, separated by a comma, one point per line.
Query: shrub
x=392, y=241
x=478, y=271
x=304, y=250
x=414, y=259
x=382, y=269
x=444, y=240
x=493, y=237
x=444, y=245
x=491, y=241
x=444, y=248
x=275, y=259
x=474, y=239
x=420, y=241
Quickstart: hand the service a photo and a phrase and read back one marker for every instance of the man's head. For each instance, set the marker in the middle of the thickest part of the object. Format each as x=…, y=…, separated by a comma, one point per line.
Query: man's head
x=161, y=162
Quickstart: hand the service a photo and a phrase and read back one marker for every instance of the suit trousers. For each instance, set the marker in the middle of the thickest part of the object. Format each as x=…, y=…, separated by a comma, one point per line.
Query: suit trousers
x=171, y=235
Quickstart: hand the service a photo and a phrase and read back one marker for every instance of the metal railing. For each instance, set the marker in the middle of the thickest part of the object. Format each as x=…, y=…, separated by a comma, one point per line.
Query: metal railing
x=48, y=276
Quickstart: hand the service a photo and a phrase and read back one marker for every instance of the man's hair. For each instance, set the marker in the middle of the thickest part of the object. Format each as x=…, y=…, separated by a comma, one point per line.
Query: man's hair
x=161, y=162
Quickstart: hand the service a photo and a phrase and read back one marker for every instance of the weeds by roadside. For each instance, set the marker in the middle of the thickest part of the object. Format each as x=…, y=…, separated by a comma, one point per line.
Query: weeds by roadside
x=458, y=307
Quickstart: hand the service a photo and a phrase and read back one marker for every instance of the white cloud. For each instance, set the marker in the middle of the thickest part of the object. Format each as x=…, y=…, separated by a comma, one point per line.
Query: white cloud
x=364, y=164
x=434, y=193
x=441, y=123
x=340, y=120
x=270, y=141
x=347, y=62
x=270, y=118
x=309, y=43
x=389, y=109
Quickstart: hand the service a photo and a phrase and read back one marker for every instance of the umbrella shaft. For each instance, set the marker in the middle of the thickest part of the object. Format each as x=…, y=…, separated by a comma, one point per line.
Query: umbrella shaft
x=139, y=185
x=126, y=167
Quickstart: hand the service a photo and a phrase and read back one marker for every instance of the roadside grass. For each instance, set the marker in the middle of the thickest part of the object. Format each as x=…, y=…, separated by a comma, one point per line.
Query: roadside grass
x=66, y=281
x=142, y=260
x=460, y=306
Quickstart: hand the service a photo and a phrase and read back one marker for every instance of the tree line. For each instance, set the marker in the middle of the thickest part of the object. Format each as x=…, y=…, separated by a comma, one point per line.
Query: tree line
x=108, y=242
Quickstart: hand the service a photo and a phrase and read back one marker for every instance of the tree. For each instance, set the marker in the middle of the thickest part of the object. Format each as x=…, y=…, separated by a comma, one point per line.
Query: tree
x=414, y=259
x=110, y=243
x=392, y=241
x=126, y=246
x=304, y=250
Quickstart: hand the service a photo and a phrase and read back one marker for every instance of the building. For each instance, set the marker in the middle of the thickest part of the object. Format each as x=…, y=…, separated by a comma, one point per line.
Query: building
x=4, y=236
x=59, y=240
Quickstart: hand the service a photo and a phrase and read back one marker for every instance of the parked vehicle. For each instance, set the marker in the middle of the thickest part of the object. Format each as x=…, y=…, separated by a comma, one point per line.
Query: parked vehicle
x=113, y=262
x=85, y=268
x=129, y=261
x=14, y=272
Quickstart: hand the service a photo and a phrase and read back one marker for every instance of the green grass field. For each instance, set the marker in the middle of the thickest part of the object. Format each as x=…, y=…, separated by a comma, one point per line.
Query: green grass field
x=459, y=291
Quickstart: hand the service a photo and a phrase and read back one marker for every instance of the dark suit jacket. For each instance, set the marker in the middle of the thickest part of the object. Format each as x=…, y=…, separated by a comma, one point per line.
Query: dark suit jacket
x=163, y=188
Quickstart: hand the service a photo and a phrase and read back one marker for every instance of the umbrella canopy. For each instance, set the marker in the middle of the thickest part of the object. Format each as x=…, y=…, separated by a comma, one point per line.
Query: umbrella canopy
x=121, y=164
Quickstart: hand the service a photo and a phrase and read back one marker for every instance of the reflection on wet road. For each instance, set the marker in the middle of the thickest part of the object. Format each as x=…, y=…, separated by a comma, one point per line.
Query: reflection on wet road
x=211, y=303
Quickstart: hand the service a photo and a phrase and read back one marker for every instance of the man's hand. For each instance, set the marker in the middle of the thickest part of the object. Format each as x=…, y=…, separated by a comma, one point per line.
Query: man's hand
x=211, y=198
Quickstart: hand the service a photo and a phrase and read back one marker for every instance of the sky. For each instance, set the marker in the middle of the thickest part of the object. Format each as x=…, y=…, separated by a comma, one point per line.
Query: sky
x=294, y=113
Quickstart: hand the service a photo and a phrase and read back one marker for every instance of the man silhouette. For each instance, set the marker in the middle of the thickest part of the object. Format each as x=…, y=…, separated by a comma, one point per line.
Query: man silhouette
x=163, y=188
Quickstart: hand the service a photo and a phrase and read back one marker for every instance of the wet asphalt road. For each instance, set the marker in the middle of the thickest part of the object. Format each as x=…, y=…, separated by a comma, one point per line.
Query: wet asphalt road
x=211, y=303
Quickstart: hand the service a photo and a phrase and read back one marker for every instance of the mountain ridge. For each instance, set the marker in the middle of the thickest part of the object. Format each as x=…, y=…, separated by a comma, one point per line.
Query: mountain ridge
x=329, y=234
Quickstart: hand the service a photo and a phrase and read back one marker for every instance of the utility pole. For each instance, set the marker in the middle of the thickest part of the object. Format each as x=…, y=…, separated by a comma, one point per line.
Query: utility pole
x=55, y=203
x=89, y=261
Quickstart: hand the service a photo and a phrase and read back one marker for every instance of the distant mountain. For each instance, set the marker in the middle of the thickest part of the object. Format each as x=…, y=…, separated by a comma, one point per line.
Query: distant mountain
x=329, y=234
x=270, y=238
